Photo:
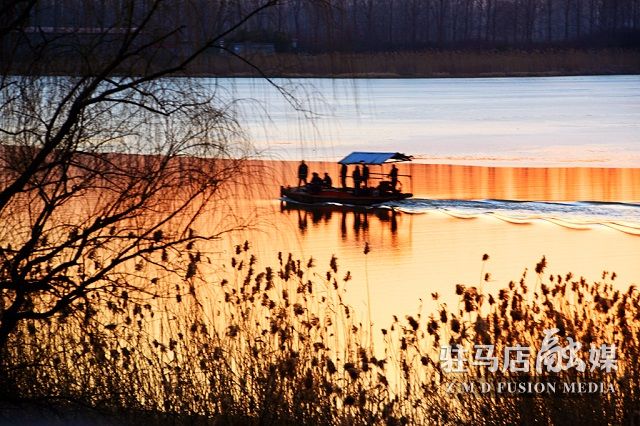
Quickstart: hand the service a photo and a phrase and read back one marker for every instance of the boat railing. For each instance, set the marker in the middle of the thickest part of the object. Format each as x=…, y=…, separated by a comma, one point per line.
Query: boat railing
x=382, y=177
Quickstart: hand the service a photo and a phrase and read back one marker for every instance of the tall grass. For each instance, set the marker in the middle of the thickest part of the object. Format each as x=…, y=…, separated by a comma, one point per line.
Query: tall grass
x=280, y=346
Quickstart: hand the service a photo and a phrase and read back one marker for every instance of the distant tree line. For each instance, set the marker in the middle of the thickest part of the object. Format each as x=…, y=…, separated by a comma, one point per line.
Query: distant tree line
x=371, y=25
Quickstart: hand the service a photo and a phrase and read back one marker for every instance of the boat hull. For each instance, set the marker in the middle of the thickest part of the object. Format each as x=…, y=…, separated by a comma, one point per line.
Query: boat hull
x=342, y=196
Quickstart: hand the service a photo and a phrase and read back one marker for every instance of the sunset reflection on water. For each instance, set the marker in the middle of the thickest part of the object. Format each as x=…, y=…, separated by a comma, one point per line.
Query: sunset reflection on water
x=445, y=181
x=415, y=255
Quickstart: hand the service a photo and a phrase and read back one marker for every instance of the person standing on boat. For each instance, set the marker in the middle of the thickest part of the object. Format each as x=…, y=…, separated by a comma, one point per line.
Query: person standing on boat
x=303, y=173
x=343, y=175
x=327, y=182
x=394, y=177
x=357, y=179
x=365, y=175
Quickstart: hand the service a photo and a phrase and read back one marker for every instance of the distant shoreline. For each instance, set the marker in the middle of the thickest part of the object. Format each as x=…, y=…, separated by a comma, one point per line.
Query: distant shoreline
x=427, y=64
x=415, y=77
x=394, y=64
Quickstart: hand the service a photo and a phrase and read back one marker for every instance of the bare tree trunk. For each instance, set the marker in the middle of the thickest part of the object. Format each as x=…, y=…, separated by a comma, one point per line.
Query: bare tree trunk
x=578, y=18
x=467, y=18
x=355, y=37
x=414, y=23
x=567, y=20
x=514, y=21
x=530, y=14
x=494, y=20
x=371, y=29
x=454, y=21
x=297, y=9
x=390, y=39
x=440, y=17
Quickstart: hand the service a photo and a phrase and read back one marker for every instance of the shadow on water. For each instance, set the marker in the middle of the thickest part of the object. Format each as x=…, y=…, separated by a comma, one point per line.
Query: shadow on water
x=356, y=218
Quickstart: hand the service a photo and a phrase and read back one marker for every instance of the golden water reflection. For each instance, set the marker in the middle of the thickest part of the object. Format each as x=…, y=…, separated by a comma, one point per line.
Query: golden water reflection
x=415, y=255
x=444, y=181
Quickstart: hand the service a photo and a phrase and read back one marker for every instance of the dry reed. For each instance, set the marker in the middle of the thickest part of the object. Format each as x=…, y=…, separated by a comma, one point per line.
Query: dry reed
x=280, y=346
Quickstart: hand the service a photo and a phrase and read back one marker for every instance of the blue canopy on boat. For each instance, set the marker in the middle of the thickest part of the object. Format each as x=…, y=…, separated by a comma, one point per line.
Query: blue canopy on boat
x=376, y=158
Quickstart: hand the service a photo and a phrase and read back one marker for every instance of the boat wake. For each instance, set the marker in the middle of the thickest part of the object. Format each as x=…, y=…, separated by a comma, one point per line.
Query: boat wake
x=579, y=215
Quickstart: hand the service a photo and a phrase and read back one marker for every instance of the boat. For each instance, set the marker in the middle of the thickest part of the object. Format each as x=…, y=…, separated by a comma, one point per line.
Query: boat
x=383, y=191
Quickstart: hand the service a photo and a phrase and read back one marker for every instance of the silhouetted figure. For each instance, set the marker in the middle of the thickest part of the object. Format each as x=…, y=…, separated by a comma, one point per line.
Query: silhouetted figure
x=356, y=222
x=365, y=175
x=302, y=220
x=343, y=175
x=303, y=173
x=316, y=216
x=394, y=222
x=327, y=182
x=394, y=177
x=316, y=183
x=357, y=179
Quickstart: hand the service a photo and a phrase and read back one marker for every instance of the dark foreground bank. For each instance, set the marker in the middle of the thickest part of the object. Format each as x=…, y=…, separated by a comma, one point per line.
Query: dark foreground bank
x=286, y=350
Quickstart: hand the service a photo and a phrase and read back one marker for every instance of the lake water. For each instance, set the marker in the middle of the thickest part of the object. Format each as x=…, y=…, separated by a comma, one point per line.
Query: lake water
x=517, y=168
x=584, y=220
x=589, y=120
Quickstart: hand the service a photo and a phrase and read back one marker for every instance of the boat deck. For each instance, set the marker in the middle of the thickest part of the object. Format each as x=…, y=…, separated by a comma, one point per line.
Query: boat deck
x=365, y=196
